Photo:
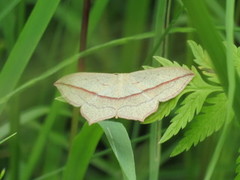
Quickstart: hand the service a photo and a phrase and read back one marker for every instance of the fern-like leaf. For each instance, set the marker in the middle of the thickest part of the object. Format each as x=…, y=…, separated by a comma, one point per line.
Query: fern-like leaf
x=210, y=120
x=190, y=106
x=165, y=62
x=164, y=110
x=203, y=60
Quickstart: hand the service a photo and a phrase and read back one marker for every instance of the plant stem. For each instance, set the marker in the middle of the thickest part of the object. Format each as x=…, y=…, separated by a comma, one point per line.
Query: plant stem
x=83, y=45
x=84, y=30
x=155, y=148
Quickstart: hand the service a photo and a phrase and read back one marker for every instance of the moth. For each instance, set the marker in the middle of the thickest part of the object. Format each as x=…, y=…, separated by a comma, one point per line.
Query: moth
x=132, y=96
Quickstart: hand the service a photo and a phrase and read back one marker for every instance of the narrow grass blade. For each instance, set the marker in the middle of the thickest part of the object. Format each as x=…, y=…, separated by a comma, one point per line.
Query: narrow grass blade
x=5, y=139
x=121, y=146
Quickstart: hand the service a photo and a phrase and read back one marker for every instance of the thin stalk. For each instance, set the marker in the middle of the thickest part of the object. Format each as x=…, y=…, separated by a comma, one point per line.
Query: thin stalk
x=167, y=20
x=155, y=150
x=83, y=46
x=7, y=138
x=84, y=31
x=162, y=28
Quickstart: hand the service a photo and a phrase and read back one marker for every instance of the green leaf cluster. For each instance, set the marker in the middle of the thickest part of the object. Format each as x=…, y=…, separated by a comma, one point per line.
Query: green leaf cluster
x=203, y=104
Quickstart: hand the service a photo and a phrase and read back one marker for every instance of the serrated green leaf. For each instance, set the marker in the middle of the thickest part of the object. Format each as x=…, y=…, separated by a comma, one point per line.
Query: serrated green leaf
x=202, y=57
x=211, y=119
x=164, y=110
x=191, y=105
x=165, y=62
x=203, y=60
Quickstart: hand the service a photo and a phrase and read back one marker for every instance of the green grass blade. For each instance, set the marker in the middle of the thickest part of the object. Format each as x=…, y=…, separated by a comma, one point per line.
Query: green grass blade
x=161, y=32
x=5, y=139
x=25, y=45
x=121, y=145
x=83, y=147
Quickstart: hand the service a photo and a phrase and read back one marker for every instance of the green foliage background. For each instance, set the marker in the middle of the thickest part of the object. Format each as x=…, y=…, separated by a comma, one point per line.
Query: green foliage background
x=39, y=43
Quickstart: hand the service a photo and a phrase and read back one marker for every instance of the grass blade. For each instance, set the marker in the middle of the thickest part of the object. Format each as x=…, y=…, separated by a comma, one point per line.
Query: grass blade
x=121, y=145
x=5, y=139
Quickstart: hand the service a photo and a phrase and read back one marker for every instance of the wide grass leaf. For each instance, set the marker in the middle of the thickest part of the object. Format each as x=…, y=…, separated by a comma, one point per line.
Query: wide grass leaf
x=121, y=146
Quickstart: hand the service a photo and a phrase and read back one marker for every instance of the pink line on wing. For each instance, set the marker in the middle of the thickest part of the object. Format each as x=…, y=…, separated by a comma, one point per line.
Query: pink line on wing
x=125, y=97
